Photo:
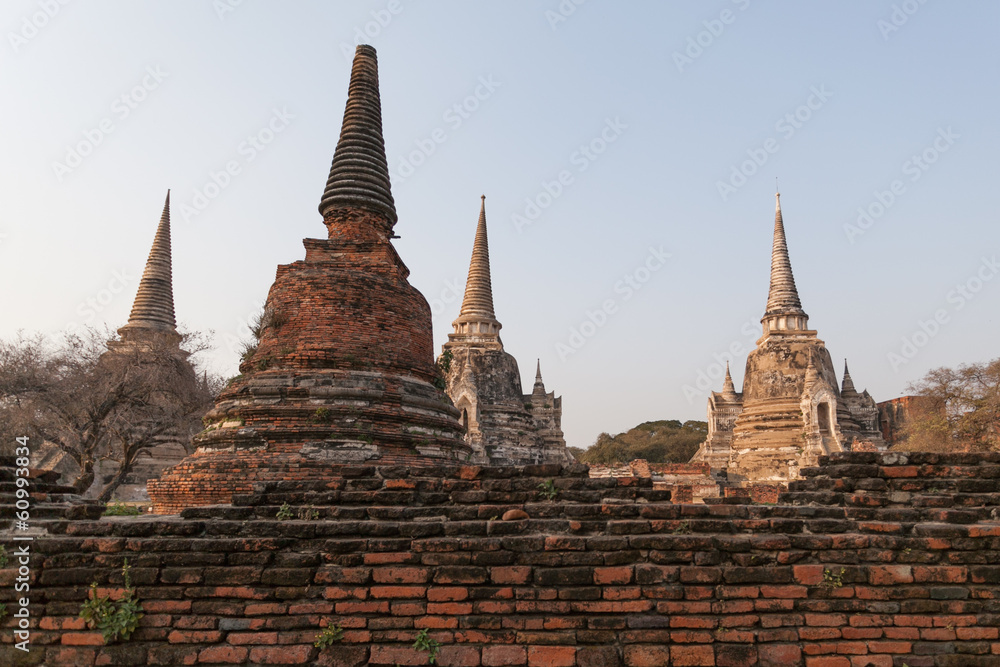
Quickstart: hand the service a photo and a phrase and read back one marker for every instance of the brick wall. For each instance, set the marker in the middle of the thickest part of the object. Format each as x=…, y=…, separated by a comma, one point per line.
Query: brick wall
x=872, y=559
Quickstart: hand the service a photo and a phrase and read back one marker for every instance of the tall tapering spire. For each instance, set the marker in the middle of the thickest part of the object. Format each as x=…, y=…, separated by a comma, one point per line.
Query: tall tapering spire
x=847, y=387
x=479, y=288
x=728, y=388
x=154, y=301
x=539, y=388
x=477, y=316
x=784, y=310
x=359, y=175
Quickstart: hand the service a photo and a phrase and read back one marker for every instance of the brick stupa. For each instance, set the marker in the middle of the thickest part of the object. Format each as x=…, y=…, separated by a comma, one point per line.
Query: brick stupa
x=343, y=371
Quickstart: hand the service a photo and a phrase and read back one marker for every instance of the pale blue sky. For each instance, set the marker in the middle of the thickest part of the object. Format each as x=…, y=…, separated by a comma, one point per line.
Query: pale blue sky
x=678, y=128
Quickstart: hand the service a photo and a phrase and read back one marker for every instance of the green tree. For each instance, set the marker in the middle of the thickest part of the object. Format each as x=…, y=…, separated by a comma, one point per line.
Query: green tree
x=665, y=441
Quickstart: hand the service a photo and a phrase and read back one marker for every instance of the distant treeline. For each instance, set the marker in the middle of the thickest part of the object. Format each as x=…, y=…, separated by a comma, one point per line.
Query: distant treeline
x=664, y=441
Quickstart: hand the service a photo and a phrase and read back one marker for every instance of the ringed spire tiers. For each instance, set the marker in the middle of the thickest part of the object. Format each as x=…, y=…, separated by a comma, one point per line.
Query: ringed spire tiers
x=784, y=309
x=359, y=174
x=153, y=308
x=343, y=370
x=847, y=388
x=728, y=388
x=477, y=319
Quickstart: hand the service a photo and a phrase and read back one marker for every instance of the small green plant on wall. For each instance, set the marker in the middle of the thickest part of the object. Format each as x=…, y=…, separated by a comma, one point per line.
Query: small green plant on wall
x=548, y=489
x=114, y=619
x=332, y=633
x=426, y=643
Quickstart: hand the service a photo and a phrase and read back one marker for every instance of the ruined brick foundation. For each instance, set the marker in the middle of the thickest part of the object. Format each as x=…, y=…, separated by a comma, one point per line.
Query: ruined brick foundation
x=871, y=559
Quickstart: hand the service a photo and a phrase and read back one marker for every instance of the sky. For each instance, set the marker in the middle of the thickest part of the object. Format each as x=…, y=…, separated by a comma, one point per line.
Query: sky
x=629, y=154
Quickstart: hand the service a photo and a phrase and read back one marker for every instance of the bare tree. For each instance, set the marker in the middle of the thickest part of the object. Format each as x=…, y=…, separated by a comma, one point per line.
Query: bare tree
x=95, y=404
x=959, y=410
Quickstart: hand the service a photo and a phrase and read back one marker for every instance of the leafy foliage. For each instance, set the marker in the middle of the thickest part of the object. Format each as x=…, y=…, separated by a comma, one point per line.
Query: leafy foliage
x=284, y=512
x=330, y=634
x=121, y=509
x=665, y=441
x=426, y=643
x=548, y=489
x=115, y=620
x=958, y=410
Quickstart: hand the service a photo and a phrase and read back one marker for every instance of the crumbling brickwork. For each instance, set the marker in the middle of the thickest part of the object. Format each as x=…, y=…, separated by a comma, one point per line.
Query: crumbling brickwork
x=871, y=559
x=343, y=367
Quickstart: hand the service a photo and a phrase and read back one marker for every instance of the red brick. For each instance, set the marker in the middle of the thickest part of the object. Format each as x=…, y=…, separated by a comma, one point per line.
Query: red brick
x=808, y=575
x=890, y=575
x=398, y=591
x=692, y=656
x=57, y=623
x=736, y=655
x=852, y=648
x=194, y=636
x=647, y=656
x=612, y=575
x=500, y=656
x=166, y=606
x=779, y=655
x=551, y=656
x=784, y=591
x=400, y=575
x=282, y=655
x=66, y=656
x=828, y=661
x=380, y=558
x=259, y=638
x=890, y=647
x=458, y=656
x=871, y=661
x=447, y=594
x=227, y=654
x=515, y=575
x=81, y=639
x=256, y=609
x=449, y=608
x=834, y=620
x=977, y=633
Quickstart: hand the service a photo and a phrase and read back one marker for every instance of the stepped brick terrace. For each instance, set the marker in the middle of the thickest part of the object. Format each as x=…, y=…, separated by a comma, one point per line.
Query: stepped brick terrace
x=871, y=559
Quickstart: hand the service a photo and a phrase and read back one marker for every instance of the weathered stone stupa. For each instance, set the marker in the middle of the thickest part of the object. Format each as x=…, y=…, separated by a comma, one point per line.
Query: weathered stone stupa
x=790, y=411
x=151, y=333
x=502, y=425
x=343, y=370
